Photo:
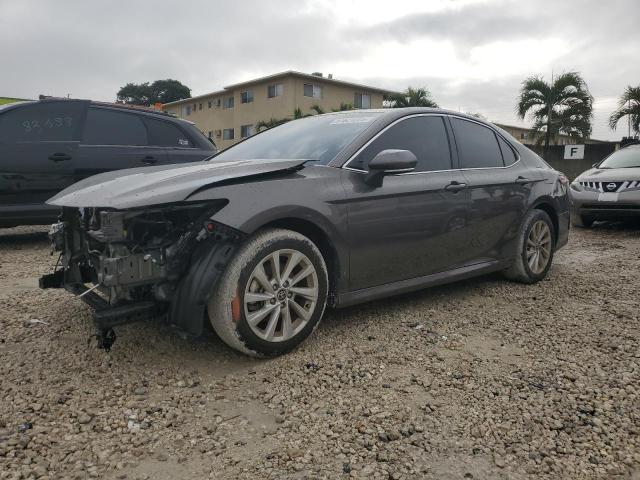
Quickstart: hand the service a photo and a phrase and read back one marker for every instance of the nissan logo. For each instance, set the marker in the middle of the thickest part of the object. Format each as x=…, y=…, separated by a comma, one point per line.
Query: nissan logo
x=611, y=186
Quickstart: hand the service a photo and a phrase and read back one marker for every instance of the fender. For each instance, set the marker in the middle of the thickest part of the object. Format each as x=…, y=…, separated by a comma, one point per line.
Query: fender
x=190, y=298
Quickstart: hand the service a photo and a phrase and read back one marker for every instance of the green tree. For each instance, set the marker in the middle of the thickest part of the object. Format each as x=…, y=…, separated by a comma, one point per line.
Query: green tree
x=165, y=91
x=628, y=106
x=412, y=97
x=135, y=94
x=563, y=106
x=160, y=91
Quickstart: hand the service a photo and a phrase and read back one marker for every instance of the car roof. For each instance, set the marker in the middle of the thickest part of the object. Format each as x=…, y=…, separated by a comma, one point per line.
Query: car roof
x=120, y=106
x=394, y=113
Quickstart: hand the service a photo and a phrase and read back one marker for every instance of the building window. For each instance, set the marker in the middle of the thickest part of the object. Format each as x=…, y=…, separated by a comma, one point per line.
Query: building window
x=274, y=90
x=246, y=97
x=246, y=131
x=217, y=102
x=209, y=104
x=362, y=100
x=314, y=91
x=210, y=134
x=227, y=134
x=187, y=110
x=200, y=107
x=228, y=102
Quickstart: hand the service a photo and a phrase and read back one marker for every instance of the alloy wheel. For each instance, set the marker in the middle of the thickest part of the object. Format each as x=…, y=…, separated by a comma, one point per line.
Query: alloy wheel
x=281, y=295
x=538, y=248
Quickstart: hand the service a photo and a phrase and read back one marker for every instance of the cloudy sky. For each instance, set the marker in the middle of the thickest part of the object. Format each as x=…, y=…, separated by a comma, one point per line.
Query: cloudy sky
x=471, y=54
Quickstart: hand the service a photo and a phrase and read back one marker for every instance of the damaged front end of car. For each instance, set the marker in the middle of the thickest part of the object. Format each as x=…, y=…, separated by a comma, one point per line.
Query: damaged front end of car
x=136, y=264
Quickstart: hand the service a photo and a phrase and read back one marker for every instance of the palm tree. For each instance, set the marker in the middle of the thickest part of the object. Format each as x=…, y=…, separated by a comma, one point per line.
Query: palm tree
x=412, y=97
x=563, y=106
x=628, y=105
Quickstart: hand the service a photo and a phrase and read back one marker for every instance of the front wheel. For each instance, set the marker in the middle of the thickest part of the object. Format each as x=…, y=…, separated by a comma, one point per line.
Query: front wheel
x=272, y=294
x=536, y=245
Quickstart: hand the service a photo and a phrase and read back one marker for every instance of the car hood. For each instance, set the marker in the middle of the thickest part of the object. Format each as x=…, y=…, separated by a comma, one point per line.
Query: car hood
x=610, y=175
x=139, y=187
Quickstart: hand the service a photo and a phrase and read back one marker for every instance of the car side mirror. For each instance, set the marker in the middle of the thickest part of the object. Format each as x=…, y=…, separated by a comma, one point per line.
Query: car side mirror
x=388, y=162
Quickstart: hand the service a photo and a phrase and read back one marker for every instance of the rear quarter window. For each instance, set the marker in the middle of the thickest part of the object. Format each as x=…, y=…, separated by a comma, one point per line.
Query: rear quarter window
x=508, y=155
x=42, y=122
x=165, y=134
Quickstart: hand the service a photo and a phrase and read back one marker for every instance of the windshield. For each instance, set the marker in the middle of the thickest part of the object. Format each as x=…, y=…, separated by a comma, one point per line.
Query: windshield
x=319, y=138
x=628, y=157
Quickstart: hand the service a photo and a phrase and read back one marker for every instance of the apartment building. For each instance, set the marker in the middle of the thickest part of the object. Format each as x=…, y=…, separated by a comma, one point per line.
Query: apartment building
x=231, y=114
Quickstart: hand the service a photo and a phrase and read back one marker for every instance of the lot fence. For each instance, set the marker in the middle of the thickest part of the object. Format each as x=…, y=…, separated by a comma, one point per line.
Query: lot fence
x=593, y=153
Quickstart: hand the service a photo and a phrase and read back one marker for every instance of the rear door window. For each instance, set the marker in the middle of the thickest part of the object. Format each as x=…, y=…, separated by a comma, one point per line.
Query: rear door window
x=42, y=122
x=424, y=136
x=477, y=145
x=165, y=134
x=110, y=127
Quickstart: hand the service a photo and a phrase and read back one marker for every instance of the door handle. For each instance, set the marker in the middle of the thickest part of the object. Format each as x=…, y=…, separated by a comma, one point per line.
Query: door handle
x=521, y=180
x=455, y=186
x=149, y=160
x=59, y=157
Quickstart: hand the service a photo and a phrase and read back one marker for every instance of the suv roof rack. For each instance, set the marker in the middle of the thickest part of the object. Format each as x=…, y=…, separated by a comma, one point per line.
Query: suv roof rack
x=124, y=106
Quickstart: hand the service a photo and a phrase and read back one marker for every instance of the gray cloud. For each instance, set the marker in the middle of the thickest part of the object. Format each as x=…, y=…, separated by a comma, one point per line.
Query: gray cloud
x=469, y=26
x=90, y=49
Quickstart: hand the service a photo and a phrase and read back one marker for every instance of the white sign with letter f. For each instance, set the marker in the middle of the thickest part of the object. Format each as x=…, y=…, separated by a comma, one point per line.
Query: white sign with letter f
x=573, y=151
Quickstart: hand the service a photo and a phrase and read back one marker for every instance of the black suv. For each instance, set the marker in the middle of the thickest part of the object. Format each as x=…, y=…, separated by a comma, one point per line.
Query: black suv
x=47, y=145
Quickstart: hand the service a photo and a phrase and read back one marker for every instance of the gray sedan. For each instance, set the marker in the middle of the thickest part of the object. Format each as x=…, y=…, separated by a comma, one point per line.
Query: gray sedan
x=609, y=191
x=331, y=210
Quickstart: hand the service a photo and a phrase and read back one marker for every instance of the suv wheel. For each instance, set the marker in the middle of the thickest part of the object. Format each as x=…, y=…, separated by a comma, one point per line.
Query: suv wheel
x=272, y=294
x=536, y=245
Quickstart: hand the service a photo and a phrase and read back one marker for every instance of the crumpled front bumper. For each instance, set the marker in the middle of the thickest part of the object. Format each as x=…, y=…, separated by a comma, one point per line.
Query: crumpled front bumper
x=176, y=279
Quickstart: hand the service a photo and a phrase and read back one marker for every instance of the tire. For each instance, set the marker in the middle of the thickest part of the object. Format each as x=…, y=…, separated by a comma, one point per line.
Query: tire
x=581, y=221
x=521, y=270
x=240, y=296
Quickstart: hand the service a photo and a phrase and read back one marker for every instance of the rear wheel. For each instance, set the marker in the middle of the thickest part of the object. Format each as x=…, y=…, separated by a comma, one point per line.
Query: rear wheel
x=272, y=294
x=536, y=244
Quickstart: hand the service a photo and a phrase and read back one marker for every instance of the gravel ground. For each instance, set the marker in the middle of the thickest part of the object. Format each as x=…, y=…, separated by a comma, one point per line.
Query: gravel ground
x=481, y=379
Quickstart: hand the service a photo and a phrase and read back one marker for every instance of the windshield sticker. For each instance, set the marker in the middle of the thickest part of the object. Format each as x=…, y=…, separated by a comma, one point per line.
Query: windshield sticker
x=183, y=142
x=341, y=121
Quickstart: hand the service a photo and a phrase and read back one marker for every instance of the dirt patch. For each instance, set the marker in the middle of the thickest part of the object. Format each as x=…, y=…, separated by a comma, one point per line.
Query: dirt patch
x=481, y=379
